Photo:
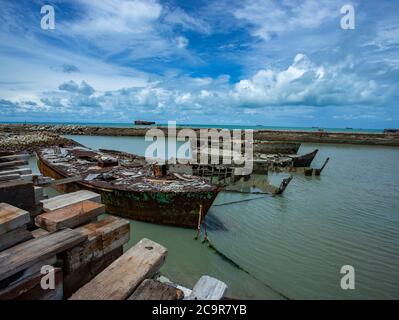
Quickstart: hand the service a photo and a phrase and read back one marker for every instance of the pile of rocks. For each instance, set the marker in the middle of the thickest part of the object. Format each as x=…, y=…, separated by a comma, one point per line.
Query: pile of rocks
x=32, y=142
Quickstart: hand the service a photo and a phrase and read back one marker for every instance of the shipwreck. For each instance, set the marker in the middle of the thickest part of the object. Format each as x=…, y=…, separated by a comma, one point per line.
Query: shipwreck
x=130, y=186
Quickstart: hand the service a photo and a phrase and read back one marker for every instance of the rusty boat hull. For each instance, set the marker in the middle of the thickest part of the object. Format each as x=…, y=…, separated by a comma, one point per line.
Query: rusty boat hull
x=181, y=209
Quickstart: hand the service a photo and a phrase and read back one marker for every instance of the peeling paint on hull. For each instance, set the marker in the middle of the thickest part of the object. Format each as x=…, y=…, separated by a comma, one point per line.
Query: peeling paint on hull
x=168, y=208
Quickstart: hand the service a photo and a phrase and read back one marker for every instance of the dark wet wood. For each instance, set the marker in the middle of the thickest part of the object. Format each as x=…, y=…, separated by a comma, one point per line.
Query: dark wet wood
x=151, y=289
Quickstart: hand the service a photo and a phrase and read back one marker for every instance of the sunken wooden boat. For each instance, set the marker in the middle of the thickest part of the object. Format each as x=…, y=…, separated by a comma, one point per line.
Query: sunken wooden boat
x=129, y=185
x=304, y=160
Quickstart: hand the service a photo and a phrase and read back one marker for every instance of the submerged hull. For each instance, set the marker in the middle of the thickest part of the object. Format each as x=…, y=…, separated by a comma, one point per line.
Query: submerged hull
x=275, y=147
x=168, y=208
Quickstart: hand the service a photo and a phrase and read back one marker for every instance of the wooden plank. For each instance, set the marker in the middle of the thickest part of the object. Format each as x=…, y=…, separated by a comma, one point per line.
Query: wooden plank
x=28, y=272
x=14, y=237
x=18, y=193
x=57, y=182
x=77, y=279
x=122, y=277
x=16, y=171
x=68, y=199
x=9, y=177
x=29, y=252
x=12, y=218
x=30, y=289
x=208, y=288
x=70, y=216
x=13, y=164
x=150, y=289
x=39, y=232
x=14, y=157
x=102, y=237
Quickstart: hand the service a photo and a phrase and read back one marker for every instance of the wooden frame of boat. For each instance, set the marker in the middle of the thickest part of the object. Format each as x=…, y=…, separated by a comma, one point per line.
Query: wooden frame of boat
x=168, y=208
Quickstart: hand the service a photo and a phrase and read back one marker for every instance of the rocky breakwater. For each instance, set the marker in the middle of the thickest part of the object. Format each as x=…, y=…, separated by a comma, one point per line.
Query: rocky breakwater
x=31, y=142
x=388, y=139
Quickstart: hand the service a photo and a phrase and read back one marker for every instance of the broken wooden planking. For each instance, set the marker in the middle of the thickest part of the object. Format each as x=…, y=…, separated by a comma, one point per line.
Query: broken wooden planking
x=70, y=216
x=12, y=218
x=68, y=199
x=122, y=277
x=208, y=288
x=151, y=289
x=30, y=252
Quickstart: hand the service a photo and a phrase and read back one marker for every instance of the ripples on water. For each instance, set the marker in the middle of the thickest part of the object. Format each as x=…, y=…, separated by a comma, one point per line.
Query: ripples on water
x=296, y=243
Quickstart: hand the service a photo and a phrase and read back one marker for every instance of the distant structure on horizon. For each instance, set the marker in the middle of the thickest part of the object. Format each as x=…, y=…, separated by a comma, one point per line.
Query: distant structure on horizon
x=391, y=130
x=143, y=123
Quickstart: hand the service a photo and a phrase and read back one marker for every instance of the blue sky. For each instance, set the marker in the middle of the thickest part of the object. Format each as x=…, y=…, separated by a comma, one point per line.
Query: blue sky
x=247, y=62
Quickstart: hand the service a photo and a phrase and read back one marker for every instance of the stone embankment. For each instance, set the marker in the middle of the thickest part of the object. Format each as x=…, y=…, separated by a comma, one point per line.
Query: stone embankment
x=388, y=139
x=30, y=142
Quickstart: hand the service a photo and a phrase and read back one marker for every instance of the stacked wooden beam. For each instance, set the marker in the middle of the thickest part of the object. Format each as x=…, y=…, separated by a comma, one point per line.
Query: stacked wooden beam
x=105, y=238
x=21, y=265
x=69, y=198
x=70, y=216
x=13, y=222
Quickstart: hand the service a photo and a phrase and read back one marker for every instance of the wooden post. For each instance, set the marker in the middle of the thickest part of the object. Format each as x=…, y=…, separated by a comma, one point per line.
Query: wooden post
x=199, y=222
x=317, y=172
x=159, y=170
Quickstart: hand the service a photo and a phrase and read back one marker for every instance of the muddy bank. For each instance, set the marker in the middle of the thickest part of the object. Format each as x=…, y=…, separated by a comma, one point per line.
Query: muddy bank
x=387, y=139
x=30, y=142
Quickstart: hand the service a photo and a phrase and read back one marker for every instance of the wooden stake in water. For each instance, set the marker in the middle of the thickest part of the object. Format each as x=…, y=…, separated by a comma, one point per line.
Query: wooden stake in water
x=199, y=222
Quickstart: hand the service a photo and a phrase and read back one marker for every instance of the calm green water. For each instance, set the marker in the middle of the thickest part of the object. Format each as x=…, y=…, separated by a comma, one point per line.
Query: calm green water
x=294, y=245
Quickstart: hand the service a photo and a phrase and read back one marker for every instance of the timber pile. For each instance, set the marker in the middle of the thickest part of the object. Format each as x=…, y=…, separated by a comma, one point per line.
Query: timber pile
x=86, y=253
x=69, y=238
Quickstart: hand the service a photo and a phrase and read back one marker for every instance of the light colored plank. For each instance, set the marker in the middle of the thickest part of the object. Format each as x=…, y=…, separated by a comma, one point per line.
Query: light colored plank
x=102, y=237
x=28, y=253
x=150, y=289
x=12, y=218
x=70, y=216
x=14, y=237
x=123, y=276
x=16, y=171
x=68, y=199
x=208, y=288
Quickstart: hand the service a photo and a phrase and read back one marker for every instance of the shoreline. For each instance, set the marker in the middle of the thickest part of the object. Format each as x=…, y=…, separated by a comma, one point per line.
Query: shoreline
x=358, y=138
